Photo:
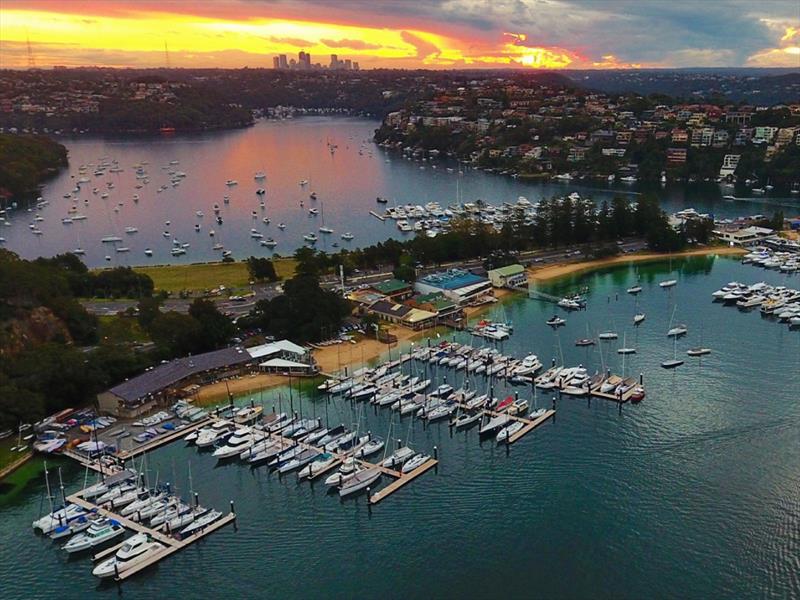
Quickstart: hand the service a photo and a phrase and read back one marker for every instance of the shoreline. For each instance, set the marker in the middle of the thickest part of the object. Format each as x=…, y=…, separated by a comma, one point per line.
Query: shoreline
x=337, y=357
x=550, y=272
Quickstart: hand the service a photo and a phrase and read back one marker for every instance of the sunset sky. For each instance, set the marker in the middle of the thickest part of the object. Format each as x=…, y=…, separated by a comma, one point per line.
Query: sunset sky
x=404, y=33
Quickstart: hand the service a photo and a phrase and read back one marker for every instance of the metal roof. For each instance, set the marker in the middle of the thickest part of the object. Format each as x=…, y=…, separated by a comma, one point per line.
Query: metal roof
x=167, y=374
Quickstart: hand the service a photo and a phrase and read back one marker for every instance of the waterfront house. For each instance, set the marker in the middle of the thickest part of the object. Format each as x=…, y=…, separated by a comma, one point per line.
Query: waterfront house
x=511, y=276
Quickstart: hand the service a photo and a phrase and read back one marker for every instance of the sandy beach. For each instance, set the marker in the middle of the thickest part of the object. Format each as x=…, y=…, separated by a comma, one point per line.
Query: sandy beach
x=353, y=355
x=560, y=270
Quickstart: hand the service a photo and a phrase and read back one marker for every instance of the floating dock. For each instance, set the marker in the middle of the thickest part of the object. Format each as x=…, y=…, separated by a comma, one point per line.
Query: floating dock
x=171, y=544
x=401, y=480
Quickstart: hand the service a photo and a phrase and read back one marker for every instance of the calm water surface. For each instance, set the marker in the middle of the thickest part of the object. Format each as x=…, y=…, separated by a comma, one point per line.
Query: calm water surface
x=694, y=493
x=346, y=182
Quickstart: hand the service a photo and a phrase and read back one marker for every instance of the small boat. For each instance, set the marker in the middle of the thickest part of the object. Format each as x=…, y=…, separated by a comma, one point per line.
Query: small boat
x=99, y=532
x=555, y=321
x=134, y=551
x=634, y=289
x=398, y=457
x=494, y=424
x=231, y=182
x=638, y=318
x=677, y=331
x=261, y=191
x=584, y=342
x=509, y=430
x=698, y=351
x=608, y=335
x=201, y=522
x=626, y=350
x=51, y=521
x=360, y=481
x=668, y=283
x=671, y=363
x=414, y=463
x=466, y=419
x=370, y=448
x=348, y=236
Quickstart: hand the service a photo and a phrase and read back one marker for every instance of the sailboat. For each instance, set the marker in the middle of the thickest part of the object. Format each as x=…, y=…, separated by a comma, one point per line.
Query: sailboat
x=699, y=350
x=673, y=362
x=323, y=228
x=677, y=330
x=625, y=349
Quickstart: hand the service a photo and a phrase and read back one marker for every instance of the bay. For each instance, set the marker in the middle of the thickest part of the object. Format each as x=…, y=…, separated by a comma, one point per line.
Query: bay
x=346, y=181
x=693, y=493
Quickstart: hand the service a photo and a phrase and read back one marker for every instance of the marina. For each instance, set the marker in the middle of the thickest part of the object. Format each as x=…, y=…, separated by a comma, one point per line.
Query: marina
x=660, y=435
x=149, y=183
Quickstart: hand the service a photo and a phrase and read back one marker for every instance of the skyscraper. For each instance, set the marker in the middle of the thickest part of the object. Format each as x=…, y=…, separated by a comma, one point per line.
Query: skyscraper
x=334, y=62
x=347, y=64
x=282, y=62
x=303, y=60
x=276, y=63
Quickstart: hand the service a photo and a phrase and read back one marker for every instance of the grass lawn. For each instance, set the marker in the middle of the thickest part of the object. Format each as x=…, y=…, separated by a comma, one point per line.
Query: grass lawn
x=6, y=456
x=118, y=330
x=206, y=276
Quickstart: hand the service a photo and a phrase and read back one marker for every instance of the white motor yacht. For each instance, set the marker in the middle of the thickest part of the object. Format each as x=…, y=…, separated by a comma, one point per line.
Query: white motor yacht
x=134, y=551
x=99, y=532
x=241, y=440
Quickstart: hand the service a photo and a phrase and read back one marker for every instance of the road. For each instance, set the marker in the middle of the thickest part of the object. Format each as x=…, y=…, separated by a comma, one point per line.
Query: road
x=237, y=308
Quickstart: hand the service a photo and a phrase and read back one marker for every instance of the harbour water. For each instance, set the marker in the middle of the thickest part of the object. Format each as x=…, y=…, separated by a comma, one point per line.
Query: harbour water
x=693, y=493
x=346, y=181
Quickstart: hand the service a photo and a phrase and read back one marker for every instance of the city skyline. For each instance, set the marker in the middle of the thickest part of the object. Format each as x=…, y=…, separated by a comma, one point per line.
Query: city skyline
x=435, y=34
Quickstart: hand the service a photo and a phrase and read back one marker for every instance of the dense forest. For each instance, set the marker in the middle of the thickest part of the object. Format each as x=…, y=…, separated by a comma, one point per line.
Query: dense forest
x=26, y=161
x=54, y=354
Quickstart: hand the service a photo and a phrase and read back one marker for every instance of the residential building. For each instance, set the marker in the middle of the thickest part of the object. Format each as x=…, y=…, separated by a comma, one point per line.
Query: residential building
x=729, y=164
x=393, y=289
x=676, y=156
x=511, y=276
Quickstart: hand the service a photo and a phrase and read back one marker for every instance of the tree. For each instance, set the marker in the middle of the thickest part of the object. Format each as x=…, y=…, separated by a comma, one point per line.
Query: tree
x=149, y=308
x=304, y=312
x=215, y=328
x=261, y=269
x=175, y=334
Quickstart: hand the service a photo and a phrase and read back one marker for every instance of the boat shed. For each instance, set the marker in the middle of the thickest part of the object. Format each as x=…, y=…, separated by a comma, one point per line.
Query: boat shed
x=139, y=394
x=284, y=356
x=459, y=285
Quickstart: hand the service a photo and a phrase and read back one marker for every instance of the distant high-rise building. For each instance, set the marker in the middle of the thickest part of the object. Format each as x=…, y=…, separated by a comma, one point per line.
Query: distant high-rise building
x=355, y=65
x=347, y=64
x=282, y=62
x=334, y=62
x=276, y=63
x=303, y=60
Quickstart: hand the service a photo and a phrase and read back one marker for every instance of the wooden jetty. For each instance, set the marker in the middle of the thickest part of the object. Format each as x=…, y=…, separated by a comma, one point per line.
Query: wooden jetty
x=171, y=544
x=531, y=425
x=163, y=439
x=402, y=479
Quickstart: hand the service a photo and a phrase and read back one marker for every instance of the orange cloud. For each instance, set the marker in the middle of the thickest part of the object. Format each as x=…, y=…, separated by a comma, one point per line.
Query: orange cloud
x=786, y=55
x=134, y=35
x=609, y=61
